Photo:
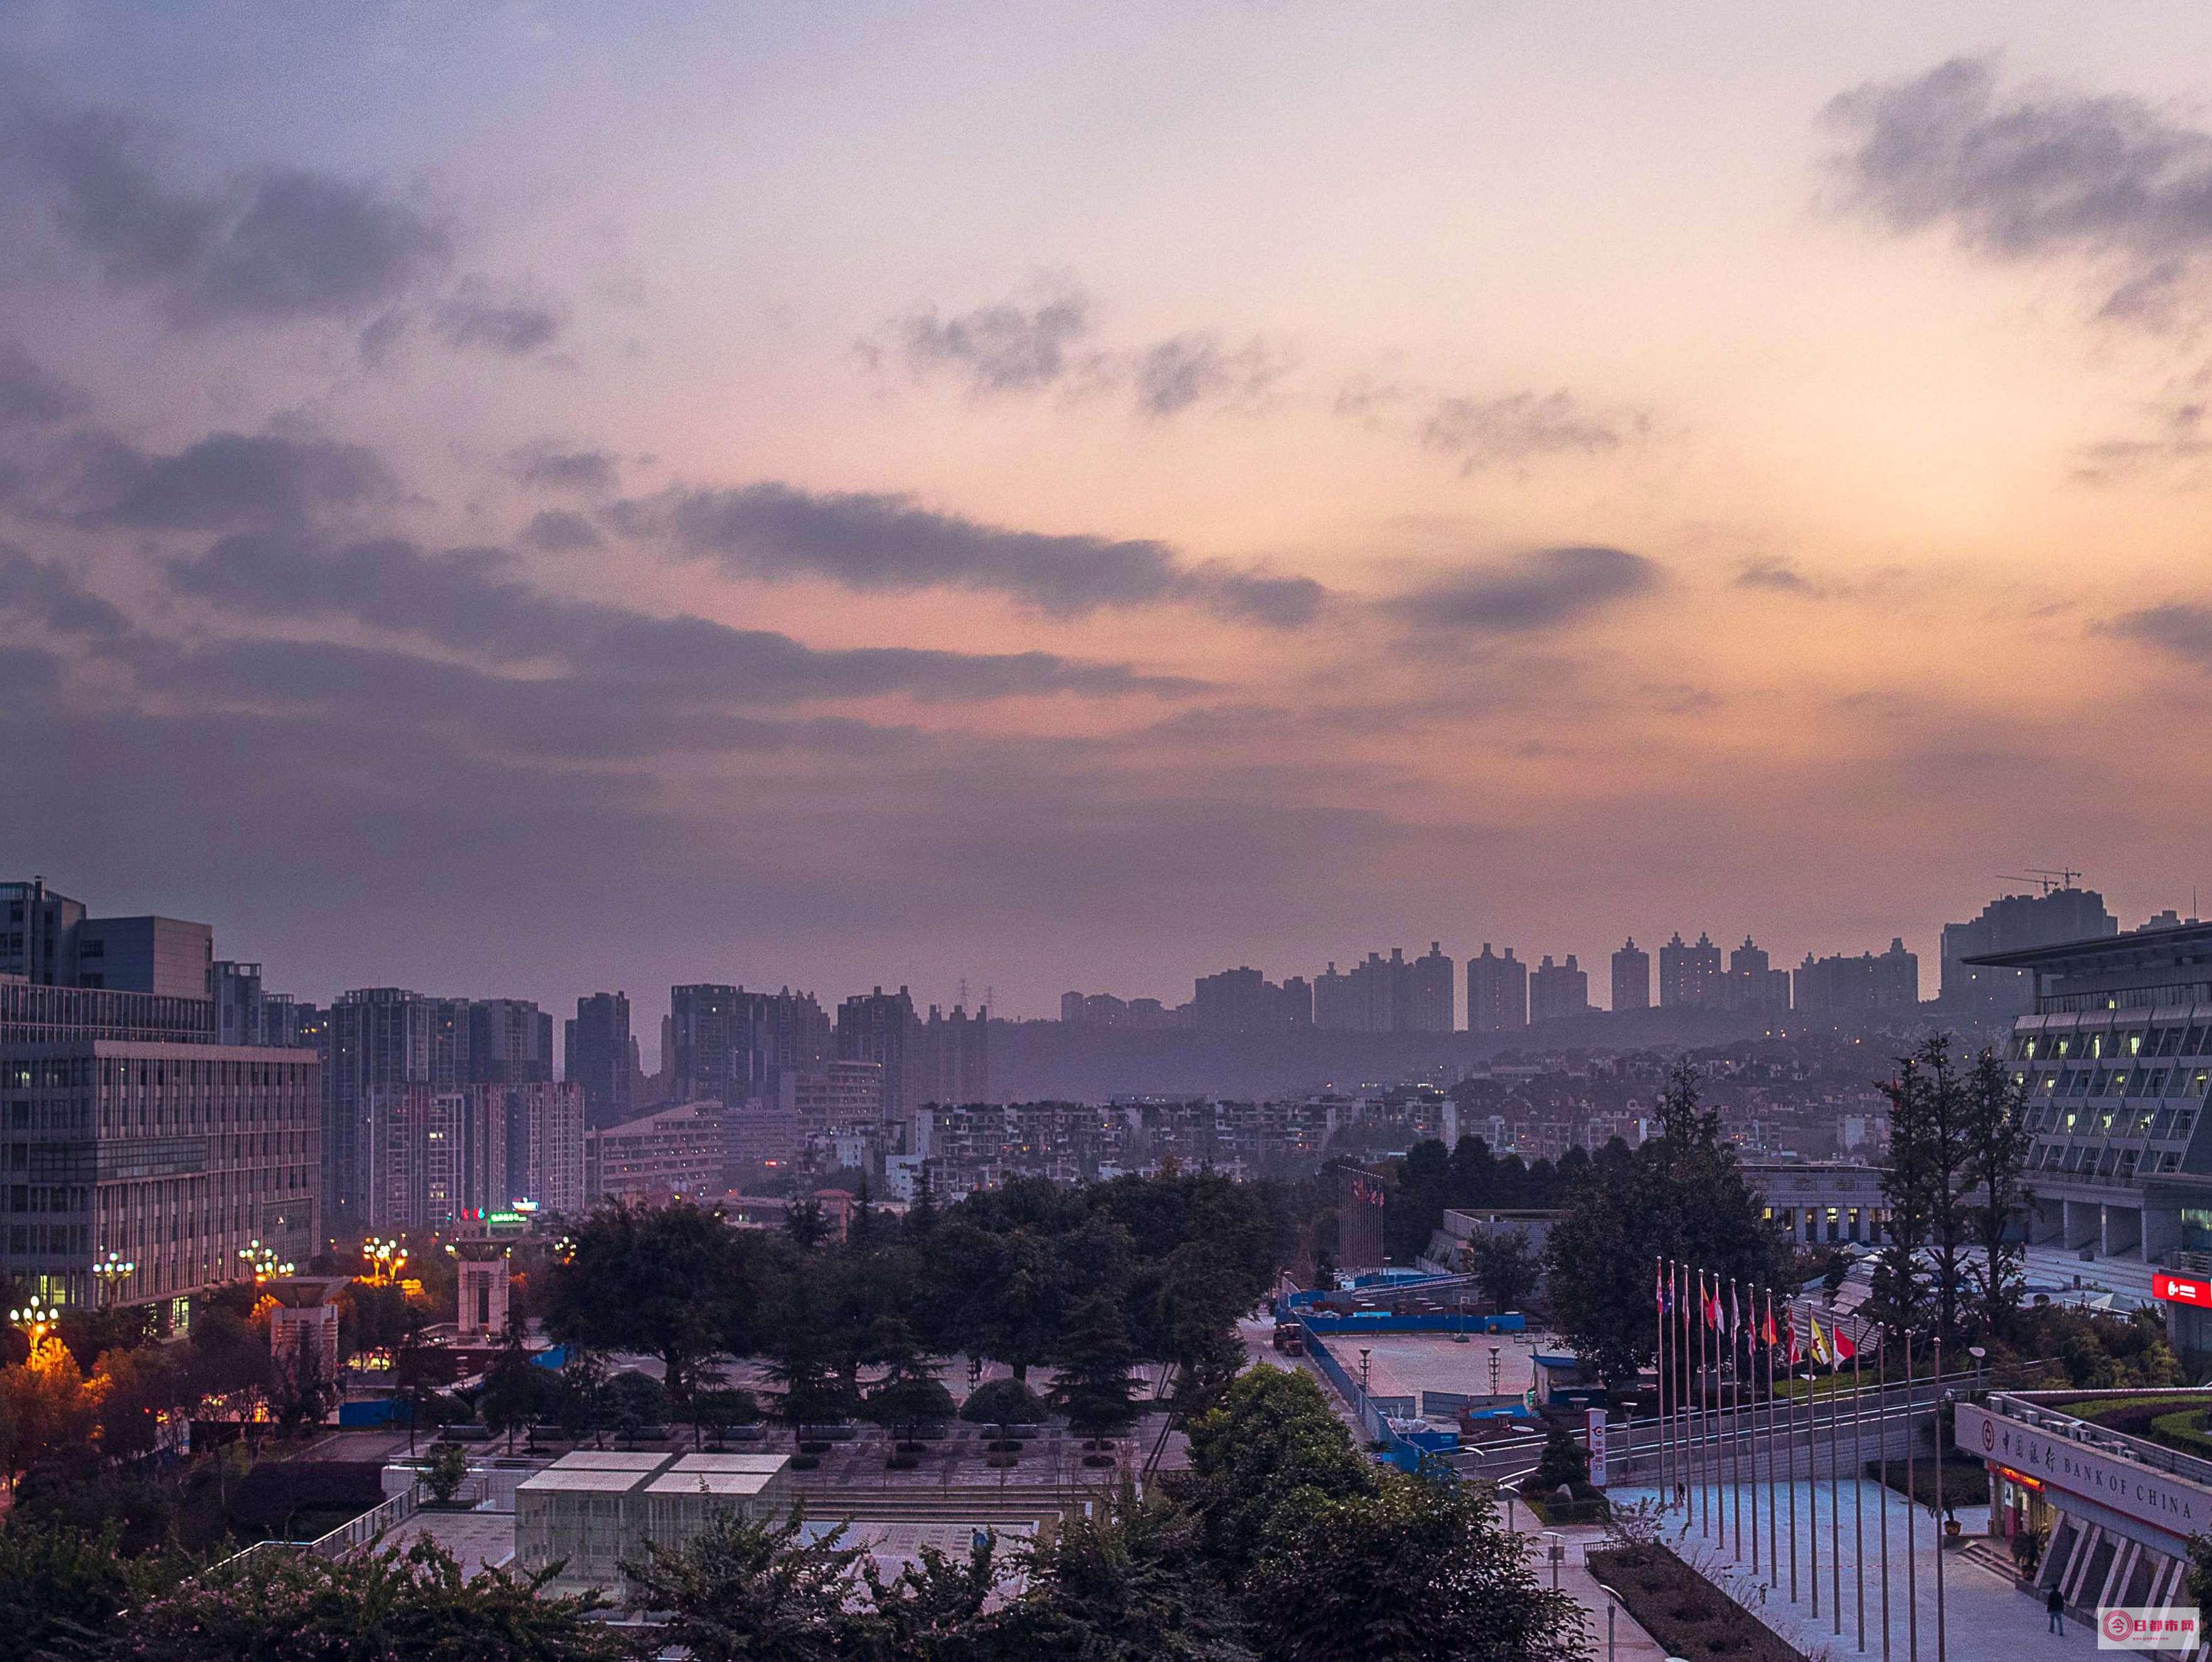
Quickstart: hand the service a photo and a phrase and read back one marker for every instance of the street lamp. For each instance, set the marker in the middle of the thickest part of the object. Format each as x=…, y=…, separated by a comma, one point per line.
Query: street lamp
x=113, y=1271
x=263, y=1261
x=386, y=1259
x=34, y=1318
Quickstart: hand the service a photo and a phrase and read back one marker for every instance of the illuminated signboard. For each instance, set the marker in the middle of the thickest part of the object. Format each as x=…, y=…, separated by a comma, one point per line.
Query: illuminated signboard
x=2180, y=1289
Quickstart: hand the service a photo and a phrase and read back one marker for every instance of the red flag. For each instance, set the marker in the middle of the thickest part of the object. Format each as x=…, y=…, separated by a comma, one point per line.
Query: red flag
x=1843, y=1347
x=1789, y=1334
x=1766, y=1333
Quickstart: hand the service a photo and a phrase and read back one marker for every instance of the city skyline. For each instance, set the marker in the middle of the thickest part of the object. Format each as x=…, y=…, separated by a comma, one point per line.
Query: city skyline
x=531, y=503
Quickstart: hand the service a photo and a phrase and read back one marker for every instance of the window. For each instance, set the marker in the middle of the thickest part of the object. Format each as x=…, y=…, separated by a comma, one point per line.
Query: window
x=2169, y=1041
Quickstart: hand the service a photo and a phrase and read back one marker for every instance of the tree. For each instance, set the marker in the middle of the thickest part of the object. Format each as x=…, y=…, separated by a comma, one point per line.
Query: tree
x=803, y=1222
x=1003, y=1403
x=402, y=1605
x=910, y=1392
x=447, y=1471
x=512, y=1389
x=746, y=1590
x=1415, y=1207
x=1418, y=1572
x=1506, y=1268
x=1562, y=1464
x=930, y=1610
x=1997, y=1144
x=674, y=1282
x=725, y=1406
x=1681, y=1197
x=47, y=1409
x=1094, y=1389
x=304, y=1389
x=62, y=1590
x=1271, y=1438
x=1932, y=1147
x=1125, y=1584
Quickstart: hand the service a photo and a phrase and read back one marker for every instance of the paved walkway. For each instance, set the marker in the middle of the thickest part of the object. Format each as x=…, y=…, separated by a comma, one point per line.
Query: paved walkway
x=1986, y=1618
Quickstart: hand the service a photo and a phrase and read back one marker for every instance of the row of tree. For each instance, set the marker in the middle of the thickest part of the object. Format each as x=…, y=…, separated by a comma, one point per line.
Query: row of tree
x=1089, y=1281
x=1282, y=1541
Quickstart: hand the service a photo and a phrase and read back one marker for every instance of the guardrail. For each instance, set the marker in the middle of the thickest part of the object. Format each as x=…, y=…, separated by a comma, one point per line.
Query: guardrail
x=359, y=1533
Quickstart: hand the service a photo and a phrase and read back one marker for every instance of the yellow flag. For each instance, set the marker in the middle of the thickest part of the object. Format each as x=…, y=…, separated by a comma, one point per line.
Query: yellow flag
x=1820, y=1353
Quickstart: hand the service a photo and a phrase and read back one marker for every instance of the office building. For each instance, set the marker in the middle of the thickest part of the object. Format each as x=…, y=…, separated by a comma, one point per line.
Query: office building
x=2015, y=922
x=1558, y=991
x=1843, y=989
x=1632, y=977
x=1434, y=991
x=2116, y=1062
x=125, y=1126
x=598, y=1056
x=1496, y=993
x=1689, y=976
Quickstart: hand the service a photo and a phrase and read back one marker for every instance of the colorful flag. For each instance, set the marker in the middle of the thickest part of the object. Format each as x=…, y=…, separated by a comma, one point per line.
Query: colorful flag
x=1659, y=1293
x=1767, y=1333
x=1713, y=1308
x=1735, y=1313
x=1845, y=1348
x=1820, y=1353
x=1789, y=1332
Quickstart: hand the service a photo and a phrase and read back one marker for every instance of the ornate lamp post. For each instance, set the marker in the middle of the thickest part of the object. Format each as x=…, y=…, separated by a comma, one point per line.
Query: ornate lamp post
x=264, y=1262
x=35, y=1317
x=386, y=1259
x=113, y=1271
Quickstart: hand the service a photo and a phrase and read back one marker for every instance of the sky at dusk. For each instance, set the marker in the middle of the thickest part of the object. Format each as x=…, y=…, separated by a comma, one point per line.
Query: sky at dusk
x=515, y=500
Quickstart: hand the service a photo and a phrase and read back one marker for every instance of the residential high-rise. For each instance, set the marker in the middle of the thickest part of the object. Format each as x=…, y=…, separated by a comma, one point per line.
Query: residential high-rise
x=1558, y=991
x=598, y=1057
x=544, y=1143
x=1333, y=1007
x=1496, y=993
x=729, y=1045
x=953, y=1058
x=1689, y=975
x=379, y=1042
x=1244, y=1000
x=247, y=1013
x=2015, y=924
x=1842, y=988
x=882, y=1028
x=125, y=1126
x=1632, y=977
x=1435, y=989
x=510, y=1043
x=1751, y=986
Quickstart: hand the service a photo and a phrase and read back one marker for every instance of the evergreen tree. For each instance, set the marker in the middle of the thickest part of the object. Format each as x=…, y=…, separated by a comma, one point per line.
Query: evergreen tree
x=1932, y=1144
x=511, y=1391
x=1094, y=1389
x=747, y=1589
x=1506, y=1268
x=1998, y=1142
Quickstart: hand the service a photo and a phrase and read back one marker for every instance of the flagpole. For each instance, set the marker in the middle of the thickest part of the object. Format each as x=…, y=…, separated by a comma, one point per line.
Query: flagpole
x=1941, y=1651
x=1790, y=1442
x=1882, y=1453
x=1813, y=1463
x=1773, y=1524
x=1912, y=1515
x=1858, y=1490
x=1682, y=1467
x=1835, y=1491
x=1735, y=1417
x=1751, y=1444
x=1705, y=1418
x=1660, y=1375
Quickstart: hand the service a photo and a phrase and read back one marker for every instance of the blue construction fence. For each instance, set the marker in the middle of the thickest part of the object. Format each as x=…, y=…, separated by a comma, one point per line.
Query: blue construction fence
x=1386, y=1321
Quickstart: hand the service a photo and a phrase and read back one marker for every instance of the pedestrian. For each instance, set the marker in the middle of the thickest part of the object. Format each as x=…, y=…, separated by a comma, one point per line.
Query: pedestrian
x=2056, y=1606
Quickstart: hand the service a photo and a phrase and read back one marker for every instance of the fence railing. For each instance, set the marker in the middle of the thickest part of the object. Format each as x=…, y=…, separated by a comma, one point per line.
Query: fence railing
x=347, y=1536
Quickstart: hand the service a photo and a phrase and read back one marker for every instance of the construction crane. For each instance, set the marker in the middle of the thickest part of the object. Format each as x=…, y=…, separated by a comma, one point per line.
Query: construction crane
x=2047, y=878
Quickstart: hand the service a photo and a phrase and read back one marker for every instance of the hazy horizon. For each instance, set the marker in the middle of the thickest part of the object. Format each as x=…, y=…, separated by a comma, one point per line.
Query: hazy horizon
x=530, y=502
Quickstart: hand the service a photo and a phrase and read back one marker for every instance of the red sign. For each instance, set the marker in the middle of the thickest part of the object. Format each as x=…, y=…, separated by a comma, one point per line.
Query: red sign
x=2179, y=1289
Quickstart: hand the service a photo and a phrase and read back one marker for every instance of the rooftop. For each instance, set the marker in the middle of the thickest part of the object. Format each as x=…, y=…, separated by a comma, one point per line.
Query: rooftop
x=710, y=1483
x=578, y=1480
x=2196, y=938
x=610, y=1459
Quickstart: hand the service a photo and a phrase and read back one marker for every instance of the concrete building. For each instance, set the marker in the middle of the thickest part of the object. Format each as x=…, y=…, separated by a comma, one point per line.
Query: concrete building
x=597, y=1057
x=2015, y=923
x=1843, y=989
x=1496, y=993
x=544, y=1143
x=684, y=1150
x=593, y=1511
x=1244, y=1000
x=37, y=934
x=2117, y=1061
x=1821, y=1204
x=730, y=1045
x=165, y=956
x=882, y=1028
x=1689, y=976
x=1632, y=977
x=1558, y=991
x=1435, y=978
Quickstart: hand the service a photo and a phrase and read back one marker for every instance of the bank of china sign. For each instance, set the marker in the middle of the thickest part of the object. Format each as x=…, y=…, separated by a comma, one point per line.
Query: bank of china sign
x=2178, y=1508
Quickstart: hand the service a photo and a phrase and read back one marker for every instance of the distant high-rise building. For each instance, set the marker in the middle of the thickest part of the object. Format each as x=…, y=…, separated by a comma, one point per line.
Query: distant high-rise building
x=38, y=940
x=2017, y=923
x=1496, y=993
x=1557, y=991
x=1434, y=991
x=882, y=1028
x=600, y=1058
x=1841, y=989
x=544, y=1143
x=1244, y=1000
x=1689, y=975
x=1751, y=986
x=730, y=1045
x=952, y=1061
x=1632, y=977
x=510, y=1043
x=1333, y=1004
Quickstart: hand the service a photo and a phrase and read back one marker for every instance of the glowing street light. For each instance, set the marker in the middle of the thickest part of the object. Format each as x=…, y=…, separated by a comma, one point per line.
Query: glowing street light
x=263, y=1261
x=34, y=1319
x=112, y=1270
x=387, y=1258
